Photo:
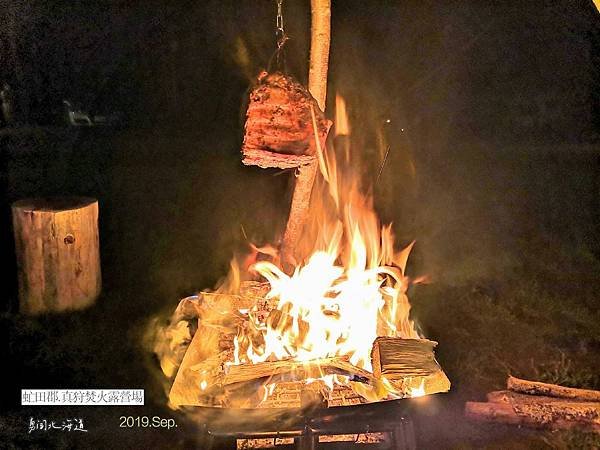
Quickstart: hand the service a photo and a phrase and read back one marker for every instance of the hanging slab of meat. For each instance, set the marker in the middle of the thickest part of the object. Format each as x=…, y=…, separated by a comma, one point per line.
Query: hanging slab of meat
x=279, y=129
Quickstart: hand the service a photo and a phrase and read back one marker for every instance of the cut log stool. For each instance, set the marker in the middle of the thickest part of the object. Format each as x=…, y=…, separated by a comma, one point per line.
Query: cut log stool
x=58, y=255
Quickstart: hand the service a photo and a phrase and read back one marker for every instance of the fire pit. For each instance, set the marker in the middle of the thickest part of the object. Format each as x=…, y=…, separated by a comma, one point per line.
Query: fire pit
x=386, y=424
x=228, y=363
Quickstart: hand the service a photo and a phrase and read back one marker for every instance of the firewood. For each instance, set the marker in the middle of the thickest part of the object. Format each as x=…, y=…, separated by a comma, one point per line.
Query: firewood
x=409, y=364
x=587, y=408
x=285, y=394
x=218, y=319
x=295, y=370
x=254, y=289
x=540, y=405
x=293, y=394
x=494, y=412
x=343, y=396
x=398, y=357
x=186, y=389
x=58, y=256
x=552, y=390
x=533, y=413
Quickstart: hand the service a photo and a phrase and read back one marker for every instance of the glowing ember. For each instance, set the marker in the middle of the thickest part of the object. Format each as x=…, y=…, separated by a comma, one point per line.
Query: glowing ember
x=419, y=391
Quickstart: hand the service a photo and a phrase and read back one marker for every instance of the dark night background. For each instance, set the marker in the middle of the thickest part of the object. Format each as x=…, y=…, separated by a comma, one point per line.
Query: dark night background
x=498, y=104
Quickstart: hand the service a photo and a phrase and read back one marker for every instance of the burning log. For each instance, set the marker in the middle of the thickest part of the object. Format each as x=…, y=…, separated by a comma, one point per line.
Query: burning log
x=409, y=364
x=285, y=394
x=296, y=370
x=343, y=396
x=539, y=405
x=191, y=376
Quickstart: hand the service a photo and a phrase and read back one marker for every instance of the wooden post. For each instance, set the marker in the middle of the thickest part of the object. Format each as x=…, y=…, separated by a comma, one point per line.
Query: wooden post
x=317, y=85
x=58, y=256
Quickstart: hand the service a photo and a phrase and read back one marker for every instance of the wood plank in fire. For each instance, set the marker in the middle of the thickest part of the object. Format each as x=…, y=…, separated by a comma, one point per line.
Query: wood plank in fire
x=409, y=365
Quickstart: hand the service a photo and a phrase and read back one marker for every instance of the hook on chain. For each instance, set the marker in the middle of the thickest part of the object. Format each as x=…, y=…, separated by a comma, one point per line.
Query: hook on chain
x=279, y=27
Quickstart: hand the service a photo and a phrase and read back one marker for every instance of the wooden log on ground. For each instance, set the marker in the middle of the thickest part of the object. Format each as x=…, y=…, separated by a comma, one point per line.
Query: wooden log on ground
x=540, y=405
x=58, y=254
x=551, y=390
x=550, y=415
x=574, y=408
x=494, y=412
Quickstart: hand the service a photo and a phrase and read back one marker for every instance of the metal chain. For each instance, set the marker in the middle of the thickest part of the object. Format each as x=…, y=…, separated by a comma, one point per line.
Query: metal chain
x=279, y=30
x=281, y=38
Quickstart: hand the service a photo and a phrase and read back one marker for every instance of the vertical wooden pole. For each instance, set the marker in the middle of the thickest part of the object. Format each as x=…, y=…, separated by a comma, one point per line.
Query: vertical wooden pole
x=319, y=50
x=317, y=85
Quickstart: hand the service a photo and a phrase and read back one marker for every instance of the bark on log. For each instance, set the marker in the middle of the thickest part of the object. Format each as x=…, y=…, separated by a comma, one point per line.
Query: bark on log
x=320, y=40
x=591, y=410
x=550, y=416
x=552, y=390
x=540, y=405
x=58, y=255
x=317, y=85
x=265, y=160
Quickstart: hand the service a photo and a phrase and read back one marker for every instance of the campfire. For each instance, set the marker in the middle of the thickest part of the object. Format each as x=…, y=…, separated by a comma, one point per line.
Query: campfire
x=335, y=329
x=325, y=319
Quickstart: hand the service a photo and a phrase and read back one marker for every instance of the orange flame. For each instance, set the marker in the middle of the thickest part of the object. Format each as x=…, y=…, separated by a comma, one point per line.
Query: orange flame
x=350, y=288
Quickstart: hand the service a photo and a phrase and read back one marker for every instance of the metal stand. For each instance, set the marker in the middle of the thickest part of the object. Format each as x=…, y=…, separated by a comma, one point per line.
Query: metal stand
x=307, y=429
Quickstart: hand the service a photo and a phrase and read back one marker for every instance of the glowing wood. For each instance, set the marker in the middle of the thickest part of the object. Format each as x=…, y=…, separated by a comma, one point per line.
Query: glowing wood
x=409, y=364
x=295, y=370
x=197, y=366
x=58, y=256
x=205, y=379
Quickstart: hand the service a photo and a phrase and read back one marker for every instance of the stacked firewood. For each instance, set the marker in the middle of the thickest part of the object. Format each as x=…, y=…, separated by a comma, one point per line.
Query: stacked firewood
x=207, y=376
x=539, y=405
